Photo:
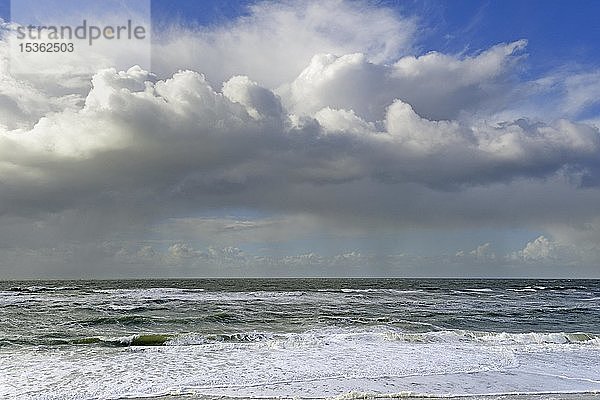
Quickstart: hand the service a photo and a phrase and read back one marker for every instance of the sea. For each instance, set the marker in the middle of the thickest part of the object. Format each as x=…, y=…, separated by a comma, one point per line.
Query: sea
x=300, y=338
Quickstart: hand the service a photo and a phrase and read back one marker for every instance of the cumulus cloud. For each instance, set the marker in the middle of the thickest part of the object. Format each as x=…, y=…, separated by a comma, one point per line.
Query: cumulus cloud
x=548, y=252
x=436, y=85
x=181, y=254
x=540, y=249
x=180, y=139
x=22, y=103
x=483, y=252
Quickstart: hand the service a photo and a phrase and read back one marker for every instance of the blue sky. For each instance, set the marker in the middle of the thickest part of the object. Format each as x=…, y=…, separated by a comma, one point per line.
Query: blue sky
x=558, y=31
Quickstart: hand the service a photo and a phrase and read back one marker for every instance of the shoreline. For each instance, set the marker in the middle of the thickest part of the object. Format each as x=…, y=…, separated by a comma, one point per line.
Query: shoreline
x=588, y=395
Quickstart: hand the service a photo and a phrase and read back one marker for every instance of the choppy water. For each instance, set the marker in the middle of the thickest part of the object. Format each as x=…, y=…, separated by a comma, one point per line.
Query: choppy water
x=310, y=338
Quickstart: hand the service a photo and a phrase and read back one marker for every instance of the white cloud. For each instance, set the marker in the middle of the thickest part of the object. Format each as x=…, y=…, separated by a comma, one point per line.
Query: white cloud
x=437, y=86
x=181, y=139
x=582, y=91
x=22, y=103
x=568, y=92
x=276, y=40
x=179, y=251
x=539, y=249
x=483, y=252
x=543, y=250
x=180, y=135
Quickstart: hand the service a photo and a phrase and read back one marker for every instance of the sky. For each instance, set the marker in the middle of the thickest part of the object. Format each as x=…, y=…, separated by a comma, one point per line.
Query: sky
x=311, y=138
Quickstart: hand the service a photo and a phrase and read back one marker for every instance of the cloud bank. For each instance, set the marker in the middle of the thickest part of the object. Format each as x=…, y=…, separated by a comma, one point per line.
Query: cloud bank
x=287, y=112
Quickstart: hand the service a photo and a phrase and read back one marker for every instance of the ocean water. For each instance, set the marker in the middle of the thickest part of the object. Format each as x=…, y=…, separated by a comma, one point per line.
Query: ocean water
x=300, y=338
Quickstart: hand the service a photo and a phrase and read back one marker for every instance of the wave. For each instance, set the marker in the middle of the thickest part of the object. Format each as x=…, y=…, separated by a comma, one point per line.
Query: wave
x=143, y=340
x=392, y=322
x=166, y=295
x=541, y=395
x=125, y=341
x=376, y=291
x=155, y=339
x=120, y=341
x=192, y=339
x=317, y=363
x=118, y=320
x=146, y=330
x=223, y=317
x=590, y=299
x=499, y=338
x=36, y=289
x=146, y=339
x=325, y=335
x=138, y=320
x=158, y=290
x=537, y=288
x=126, y=307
